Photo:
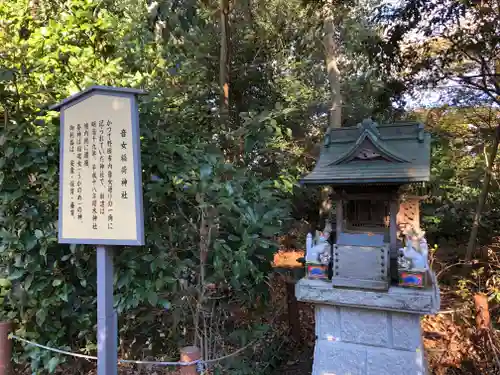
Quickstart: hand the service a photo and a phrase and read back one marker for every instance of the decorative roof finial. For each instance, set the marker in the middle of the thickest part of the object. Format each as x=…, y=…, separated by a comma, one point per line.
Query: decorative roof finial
x=369, y=125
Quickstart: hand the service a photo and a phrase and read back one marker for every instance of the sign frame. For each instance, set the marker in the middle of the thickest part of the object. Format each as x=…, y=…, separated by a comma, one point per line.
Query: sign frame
x=107, y=318
x=80, y=97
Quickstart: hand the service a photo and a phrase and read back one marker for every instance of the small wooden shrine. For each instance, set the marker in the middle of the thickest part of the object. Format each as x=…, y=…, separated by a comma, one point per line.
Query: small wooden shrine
x=368, y=317
x=368, y=166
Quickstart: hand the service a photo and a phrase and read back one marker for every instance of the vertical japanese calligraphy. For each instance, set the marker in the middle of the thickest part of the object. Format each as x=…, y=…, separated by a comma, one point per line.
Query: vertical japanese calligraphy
x=94, y=175
x=71, y=156
x=123, y=158
x=109, y=152
x=98, y=180
x=102, y=157
x=79, y=183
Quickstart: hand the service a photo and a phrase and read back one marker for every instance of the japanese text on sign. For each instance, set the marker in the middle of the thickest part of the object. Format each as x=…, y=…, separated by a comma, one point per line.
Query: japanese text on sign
x=98, y=183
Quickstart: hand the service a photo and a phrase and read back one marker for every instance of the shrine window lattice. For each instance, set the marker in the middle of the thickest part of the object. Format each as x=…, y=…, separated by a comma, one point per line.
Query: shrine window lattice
x=372, y=214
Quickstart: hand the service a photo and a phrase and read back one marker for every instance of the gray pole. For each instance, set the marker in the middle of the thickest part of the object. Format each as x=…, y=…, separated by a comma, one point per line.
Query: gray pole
x=107, y=327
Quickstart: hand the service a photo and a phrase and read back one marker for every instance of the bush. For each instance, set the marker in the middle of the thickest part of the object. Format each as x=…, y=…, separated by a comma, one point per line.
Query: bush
x=195, y=202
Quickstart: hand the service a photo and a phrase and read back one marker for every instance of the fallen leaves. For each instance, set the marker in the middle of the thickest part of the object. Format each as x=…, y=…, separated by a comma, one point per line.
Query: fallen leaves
x=288, y=259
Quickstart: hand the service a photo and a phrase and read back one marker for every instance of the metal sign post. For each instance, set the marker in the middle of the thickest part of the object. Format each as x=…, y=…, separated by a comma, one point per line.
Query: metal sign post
x=100, y=191
x=107, y=322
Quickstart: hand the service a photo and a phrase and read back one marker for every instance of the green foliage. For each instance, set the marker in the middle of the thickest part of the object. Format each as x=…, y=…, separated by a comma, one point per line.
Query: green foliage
x=49, y=52
x=221, y=187
x=461, y=140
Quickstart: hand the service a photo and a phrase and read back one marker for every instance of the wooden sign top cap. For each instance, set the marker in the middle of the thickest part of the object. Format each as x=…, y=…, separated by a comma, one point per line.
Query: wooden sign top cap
x=88, y=90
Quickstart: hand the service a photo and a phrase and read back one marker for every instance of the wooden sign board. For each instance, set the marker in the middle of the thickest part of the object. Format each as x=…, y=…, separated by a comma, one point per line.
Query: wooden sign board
x=100, y=189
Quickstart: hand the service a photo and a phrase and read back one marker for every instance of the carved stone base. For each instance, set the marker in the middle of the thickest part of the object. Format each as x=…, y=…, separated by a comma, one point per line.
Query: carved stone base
x=368, y=332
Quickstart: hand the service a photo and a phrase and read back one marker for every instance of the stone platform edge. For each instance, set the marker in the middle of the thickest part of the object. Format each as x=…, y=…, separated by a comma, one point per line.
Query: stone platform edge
x=416, y=301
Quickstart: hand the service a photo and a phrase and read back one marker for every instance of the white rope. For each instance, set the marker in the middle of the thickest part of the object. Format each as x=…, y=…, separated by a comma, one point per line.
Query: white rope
x=152, y=363
x=129, y=361
x=90, y=357
x=159, y=363
x=11, y=336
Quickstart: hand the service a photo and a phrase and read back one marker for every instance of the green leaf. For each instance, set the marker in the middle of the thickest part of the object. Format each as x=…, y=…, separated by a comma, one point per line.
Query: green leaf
x=40, y=316
x=205, y=171
x=169, y=280
x=229, y=188
x=17, y=274
x=16, y=195
x=30, y=243
x=57, y=282
x=152, y=297
x=63, y=296
x=52, y=365
x=124, y=280
x=28, y=281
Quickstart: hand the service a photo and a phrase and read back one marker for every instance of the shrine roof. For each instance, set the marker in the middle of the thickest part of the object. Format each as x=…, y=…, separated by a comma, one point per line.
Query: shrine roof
x=370, y=153
x=95, y=88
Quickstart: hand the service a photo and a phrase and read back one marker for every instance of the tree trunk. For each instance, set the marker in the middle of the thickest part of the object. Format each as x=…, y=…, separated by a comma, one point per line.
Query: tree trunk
x=293, y=310
x=224, y=60
x=335, y=112
x=482, y=197
x=331, y=56
x=326, y=206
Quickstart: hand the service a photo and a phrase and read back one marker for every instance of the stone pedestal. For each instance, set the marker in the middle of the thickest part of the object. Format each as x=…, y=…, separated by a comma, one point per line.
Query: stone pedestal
x=363, y=332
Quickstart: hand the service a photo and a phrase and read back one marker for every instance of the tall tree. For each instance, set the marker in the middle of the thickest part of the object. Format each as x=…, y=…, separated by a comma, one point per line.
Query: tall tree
x=490, y=163
x=276, y=97
x=331, y=44
x=444, y=42
x=224, y=63
x=448, y=43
